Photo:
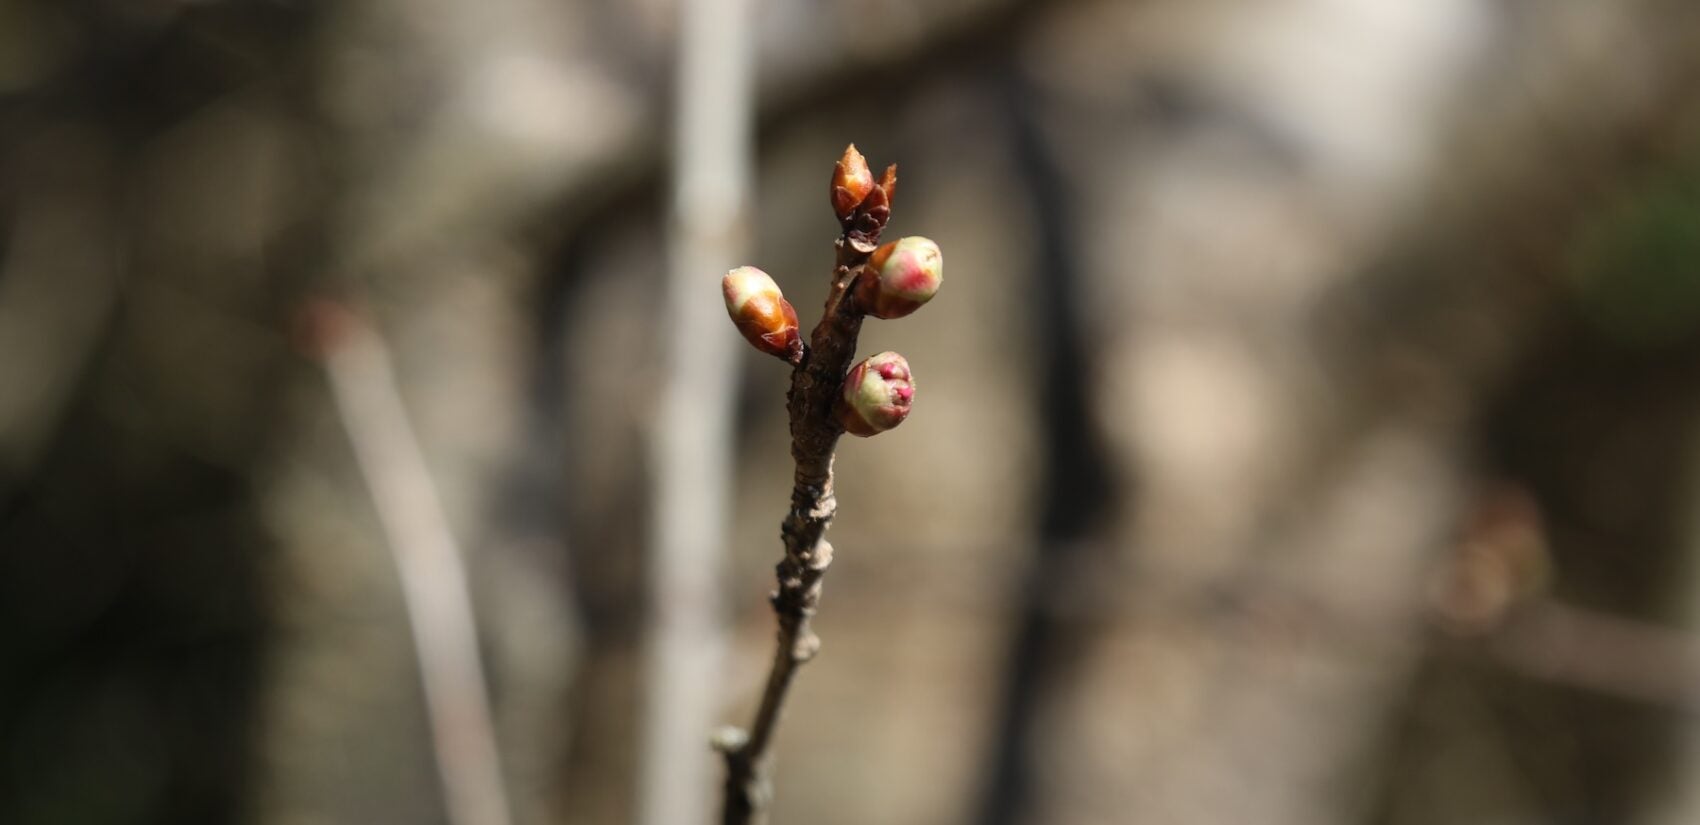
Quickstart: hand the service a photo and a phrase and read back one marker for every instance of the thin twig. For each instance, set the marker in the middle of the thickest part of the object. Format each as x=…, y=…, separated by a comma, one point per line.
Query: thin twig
x=814, y=434
x=428, y=562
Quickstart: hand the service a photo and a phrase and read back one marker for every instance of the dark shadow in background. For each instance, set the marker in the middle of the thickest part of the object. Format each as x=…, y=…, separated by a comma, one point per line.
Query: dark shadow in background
x=133, y=616
x=132, y=627
x=1593, y=433
x=1075, y=482
x=1598, y=423
x=1603, y=437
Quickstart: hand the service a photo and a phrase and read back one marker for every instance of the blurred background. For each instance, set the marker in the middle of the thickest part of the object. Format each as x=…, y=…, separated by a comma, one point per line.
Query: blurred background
x=1308, y=429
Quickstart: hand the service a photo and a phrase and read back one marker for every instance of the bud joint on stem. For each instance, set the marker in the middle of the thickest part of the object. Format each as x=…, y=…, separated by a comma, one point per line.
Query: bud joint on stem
x=828, y=397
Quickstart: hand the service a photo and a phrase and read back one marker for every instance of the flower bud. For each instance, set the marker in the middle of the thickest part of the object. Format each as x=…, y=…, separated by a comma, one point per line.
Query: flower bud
x=899, y=277
x=761, y=312
x=852, y=180
x=876, y=395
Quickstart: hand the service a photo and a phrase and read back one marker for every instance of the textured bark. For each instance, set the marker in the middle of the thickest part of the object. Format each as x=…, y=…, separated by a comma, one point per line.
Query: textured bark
x=814, y=435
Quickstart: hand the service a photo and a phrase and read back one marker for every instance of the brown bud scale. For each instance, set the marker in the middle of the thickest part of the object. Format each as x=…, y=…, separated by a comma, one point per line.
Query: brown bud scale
x=761, y=313
x=852, y=180
x=863, y=205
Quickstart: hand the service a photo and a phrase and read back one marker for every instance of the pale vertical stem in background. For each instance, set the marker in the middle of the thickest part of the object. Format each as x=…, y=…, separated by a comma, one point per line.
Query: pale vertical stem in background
x=432, y=572
x=691, y=469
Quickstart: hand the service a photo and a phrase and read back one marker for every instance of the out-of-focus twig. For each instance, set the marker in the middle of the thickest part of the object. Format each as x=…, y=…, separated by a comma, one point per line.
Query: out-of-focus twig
x=691, y=468
x=1075, y=484
x=1492, y=588
x=428, y=561
x=1603, y=654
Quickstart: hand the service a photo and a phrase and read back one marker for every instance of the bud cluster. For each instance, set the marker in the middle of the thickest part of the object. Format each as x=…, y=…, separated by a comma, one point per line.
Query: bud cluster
x=892, y=281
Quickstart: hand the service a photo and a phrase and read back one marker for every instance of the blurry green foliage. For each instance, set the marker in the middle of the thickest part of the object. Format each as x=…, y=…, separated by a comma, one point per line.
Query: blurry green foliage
x=1636, y=272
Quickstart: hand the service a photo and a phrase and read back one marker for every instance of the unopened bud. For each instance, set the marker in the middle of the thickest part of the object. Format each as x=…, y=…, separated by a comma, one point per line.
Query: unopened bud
x=852, y=180
x=761, y=312
x=877, y=394
x=899, y=277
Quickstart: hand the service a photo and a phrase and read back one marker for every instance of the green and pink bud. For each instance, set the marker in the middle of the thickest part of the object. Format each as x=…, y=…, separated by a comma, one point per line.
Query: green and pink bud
x=876, y=395
x=762, y=314
x=899, y=277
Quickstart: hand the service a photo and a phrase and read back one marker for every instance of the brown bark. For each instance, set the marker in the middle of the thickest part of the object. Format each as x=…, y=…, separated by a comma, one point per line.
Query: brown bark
x=815, y=383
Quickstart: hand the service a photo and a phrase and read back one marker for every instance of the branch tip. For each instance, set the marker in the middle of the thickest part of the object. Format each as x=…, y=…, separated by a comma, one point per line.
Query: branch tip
x=826, y=399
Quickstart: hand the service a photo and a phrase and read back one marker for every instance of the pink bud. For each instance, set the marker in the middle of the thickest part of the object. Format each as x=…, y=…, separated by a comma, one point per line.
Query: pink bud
x=899, y=277
x=876, y=395
x=762, y=314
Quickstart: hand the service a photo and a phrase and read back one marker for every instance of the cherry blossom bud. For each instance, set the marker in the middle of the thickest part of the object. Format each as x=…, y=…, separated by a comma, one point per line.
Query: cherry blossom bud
x=761, y=312
x=876, y=395
x=852, y=180
x=900, y=277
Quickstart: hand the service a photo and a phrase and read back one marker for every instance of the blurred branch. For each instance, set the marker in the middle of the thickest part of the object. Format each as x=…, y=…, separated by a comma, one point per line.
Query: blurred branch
x=692, y=473
x=1491, y=592
x=1604, y=654
x=1075, y=485
x=433, y=575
